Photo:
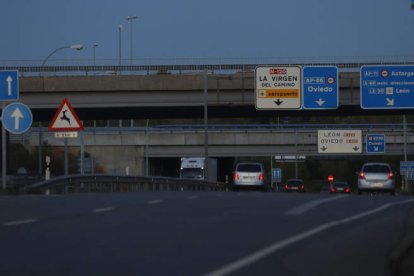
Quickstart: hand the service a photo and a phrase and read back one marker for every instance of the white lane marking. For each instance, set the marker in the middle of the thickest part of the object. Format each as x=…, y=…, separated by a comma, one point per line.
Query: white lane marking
x=105, y=209
x=193, y=197
x=260, y=254
x=157, y=201
x=310, y=205
x=22, y=221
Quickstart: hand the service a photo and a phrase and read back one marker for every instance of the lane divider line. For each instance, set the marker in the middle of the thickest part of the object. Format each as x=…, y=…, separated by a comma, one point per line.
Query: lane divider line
x=157, y=201
x=105, y=209
x=262, y=253
x=19, y=222
x=311, y=204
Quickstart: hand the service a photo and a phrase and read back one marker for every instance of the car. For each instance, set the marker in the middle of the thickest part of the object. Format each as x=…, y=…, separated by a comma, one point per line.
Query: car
x=376, y=177
x=340, y=187
x=249, y=175
x=296, y=185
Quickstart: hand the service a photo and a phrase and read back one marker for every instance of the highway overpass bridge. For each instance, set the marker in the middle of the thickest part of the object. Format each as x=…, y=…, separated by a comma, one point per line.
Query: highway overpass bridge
x=160, y=94
x=115, y=149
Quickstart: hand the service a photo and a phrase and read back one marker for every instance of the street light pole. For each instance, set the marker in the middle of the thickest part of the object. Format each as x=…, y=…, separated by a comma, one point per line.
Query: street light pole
x=206, y=168
x=75, y=46
x=130, y=18
x=94, y=56
x=120, y=43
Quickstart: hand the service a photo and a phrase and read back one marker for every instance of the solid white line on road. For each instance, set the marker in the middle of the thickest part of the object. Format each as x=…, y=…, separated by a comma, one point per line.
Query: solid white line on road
x=263, y=253
x=19, y=222
x=157, y=201
x=310, y=205
x=193, y=197
x=105, y=209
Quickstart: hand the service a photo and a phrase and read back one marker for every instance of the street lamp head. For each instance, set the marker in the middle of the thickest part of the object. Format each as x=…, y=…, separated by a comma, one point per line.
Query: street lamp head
x=95, y=45
x=120, y=26
x=76, y=46
x=132, y=17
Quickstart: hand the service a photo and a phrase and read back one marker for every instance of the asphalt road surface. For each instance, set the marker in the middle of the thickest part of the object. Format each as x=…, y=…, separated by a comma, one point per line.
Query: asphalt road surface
x=208, y=233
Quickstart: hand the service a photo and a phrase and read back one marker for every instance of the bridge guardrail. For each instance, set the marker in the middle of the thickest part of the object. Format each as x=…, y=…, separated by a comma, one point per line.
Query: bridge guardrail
x=118, y=183
x=178, y=68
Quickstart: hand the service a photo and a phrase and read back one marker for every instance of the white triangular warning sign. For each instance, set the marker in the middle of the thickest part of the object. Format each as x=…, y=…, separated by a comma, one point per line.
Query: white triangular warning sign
x=65, y=119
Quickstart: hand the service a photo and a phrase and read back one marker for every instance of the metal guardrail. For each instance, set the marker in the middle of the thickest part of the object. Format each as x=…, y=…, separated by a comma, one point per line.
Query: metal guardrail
x=117, y=183
x=166, y=69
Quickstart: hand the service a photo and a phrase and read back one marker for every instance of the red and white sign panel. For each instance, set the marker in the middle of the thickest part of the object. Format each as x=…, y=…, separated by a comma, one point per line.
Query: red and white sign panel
x=65, y=119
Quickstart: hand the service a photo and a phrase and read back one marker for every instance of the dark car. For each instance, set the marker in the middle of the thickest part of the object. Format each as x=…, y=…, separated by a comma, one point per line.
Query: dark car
x=340, y=187
x=295, y=185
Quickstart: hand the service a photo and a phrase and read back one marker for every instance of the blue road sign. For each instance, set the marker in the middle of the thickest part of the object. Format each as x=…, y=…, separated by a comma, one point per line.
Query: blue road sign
x=9, y=86
x=276, y=175
x=375, y=143
x=17, y=118
x=387, y=87
x=320, y=87
x=407, y=169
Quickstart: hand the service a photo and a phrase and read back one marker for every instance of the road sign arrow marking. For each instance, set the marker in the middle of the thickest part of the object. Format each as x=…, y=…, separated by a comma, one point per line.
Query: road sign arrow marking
x=355, y=148
x=390, y=102
x=324, y=148
x=17, y=115
x=278, y=102
x=320, y=102
x=9, y=81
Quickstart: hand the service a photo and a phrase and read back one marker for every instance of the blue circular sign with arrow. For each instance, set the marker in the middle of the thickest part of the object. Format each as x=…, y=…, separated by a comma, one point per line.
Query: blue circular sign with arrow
x=17, y=118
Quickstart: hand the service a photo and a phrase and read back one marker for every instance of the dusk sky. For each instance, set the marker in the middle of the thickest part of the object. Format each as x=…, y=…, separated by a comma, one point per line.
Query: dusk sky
x=31, y=29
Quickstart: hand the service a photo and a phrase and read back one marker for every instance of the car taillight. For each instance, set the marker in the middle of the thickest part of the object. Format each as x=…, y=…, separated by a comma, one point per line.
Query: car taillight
x=332, y=190
x=302, y=187
x=391, y=175
x=286, y=186
x=362, y=175
x=347, y=190
x=261, y=177
x=236, y=176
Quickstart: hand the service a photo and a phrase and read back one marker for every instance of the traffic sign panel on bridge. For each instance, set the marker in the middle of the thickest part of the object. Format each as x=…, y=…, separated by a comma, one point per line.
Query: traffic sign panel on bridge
x=375, y=143
x=278, y=87
x=339, y=141
x=387, y=87
x=320, y=87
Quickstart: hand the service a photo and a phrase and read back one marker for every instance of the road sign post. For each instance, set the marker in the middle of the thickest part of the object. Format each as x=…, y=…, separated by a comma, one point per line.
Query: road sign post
x=320, y=87
x=9, y=85
x=17, y=118
x=387, y=87
x=278, y=87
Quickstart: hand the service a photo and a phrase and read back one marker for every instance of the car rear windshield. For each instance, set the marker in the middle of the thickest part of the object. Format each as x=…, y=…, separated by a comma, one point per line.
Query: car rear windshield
x=340, y=184
x=295, y=182
x=249, y=168
x=376, y=169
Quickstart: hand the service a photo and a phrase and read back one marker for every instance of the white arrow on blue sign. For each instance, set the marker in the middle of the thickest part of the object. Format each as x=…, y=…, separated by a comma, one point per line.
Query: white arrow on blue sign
x=17, y=118
x=375, y=143
x=320, y=87
x=387, y=87
x=9, y=86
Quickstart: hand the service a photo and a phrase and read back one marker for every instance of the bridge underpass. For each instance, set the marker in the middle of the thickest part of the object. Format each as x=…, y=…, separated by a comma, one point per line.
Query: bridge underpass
x=116, y=149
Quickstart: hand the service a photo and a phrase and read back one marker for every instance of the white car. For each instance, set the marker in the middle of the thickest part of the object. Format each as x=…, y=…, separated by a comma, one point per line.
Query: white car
x=376, y=177
x=249, y=175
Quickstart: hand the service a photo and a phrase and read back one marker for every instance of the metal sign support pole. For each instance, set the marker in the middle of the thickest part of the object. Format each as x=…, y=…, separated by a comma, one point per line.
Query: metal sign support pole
x=3, y=154
x=66, y=156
